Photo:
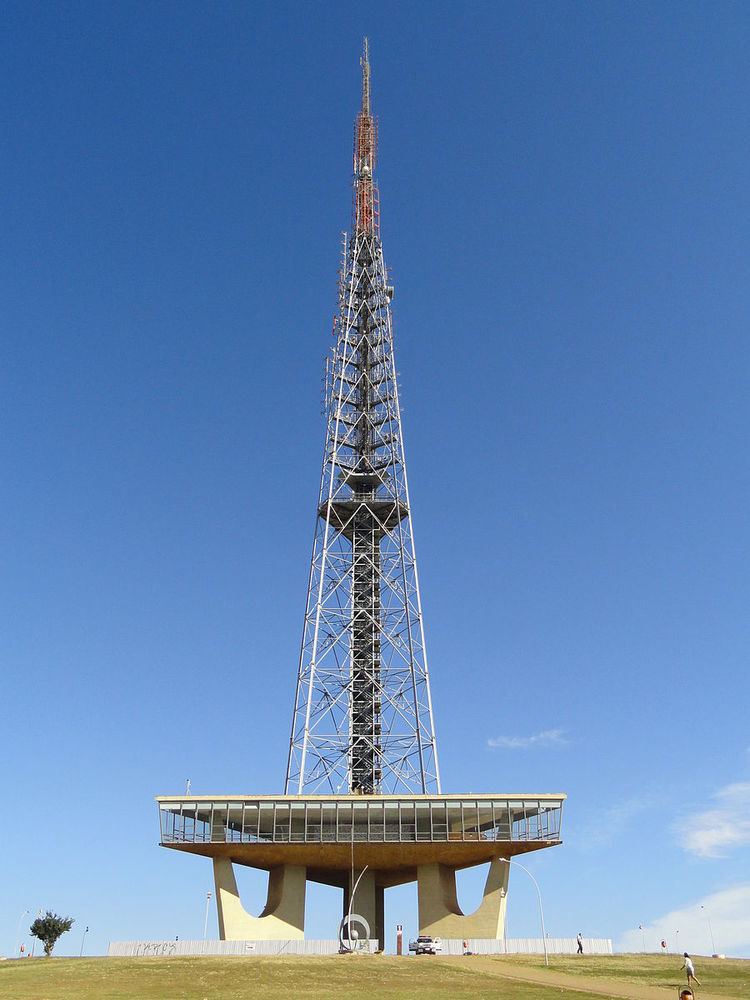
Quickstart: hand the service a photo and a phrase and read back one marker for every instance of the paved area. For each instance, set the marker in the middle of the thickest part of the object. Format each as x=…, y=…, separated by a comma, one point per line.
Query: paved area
x=582, y=984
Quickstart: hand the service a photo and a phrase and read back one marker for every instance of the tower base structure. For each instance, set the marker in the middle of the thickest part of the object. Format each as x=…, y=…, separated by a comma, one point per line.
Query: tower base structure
x=372, y=842
x=283, y=917
x=439, y=912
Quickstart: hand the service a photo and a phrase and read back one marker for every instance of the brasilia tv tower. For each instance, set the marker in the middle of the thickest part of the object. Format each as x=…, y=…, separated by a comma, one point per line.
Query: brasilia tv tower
x=363, y=713
x=362, y=808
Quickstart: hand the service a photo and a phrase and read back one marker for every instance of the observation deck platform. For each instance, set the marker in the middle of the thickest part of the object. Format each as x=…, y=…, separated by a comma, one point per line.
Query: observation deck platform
x=394, y=838
x=391, y=834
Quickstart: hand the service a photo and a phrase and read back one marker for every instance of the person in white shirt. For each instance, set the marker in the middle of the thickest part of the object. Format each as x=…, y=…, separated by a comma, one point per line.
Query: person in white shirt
x=579, y=939
x=689, y=968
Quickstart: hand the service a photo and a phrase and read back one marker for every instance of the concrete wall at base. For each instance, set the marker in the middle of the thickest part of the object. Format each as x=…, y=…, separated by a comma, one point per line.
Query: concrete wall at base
x=526, y=946
x=170, y=949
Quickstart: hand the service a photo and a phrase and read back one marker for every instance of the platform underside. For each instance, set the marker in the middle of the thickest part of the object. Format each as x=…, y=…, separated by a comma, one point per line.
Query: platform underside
x=330, y=864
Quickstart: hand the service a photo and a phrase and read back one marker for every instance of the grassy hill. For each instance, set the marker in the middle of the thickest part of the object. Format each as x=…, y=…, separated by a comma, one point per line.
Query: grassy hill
x=375, y=977
x=350, y=976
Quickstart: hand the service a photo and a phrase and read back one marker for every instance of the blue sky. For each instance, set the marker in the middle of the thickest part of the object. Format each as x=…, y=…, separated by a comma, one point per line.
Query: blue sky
x=565, y=214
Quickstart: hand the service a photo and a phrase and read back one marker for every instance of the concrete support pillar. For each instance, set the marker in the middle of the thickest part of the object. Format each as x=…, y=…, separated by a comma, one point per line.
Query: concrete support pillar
x=283, y=917
x=369, y=902
x=439, y=912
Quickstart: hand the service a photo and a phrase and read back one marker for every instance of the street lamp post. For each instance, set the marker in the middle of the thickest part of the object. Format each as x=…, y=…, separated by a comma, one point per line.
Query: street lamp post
x=18, y=931
x=85, y=932
x=642, y=929
x=710, y=930
x=539, y=897
x=351, y=900
x=40, y=914
x=205, y=922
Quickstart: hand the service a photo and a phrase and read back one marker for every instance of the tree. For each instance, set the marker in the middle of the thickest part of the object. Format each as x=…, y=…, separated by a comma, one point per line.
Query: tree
x=49, y=928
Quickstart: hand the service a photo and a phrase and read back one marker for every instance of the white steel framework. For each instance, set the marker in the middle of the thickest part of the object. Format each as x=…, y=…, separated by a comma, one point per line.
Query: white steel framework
x=362, y=717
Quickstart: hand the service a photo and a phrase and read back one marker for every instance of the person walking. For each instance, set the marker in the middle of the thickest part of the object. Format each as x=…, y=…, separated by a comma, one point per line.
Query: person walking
x=579, y=940
x=689, y=968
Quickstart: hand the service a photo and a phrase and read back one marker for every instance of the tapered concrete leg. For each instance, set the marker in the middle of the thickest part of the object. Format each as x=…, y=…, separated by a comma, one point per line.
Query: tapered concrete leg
x=439, y=912
x=369, y=902
x=283, y=917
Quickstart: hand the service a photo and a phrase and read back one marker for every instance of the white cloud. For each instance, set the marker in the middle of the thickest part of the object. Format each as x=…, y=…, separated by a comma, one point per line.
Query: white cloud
x=711, y=834
x=727, y=911
x=547, y=738
x=607, y=823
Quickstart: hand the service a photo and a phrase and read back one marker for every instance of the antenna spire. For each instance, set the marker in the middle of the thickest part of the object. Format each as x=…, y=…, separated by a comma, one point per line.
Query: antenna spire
x=364, y=62
x=365, y=142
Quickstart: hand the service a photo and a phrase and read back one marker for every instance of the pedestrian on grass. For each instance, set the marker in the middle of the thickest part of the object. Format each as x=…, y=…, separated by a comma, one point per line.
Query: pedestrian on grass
x=579, y=939
x=689, y=968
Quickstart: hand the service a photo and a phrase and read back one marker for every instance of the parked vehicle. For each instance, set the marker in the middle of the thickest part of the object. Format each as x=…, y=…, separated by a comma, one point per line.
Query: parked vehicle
x=425, y=945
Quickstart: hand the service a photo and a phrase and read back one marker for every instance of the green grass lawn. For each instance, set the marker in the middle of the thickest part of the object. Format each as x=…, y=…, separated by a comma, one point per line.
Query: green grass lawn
x=351, y=976
x=726, y=977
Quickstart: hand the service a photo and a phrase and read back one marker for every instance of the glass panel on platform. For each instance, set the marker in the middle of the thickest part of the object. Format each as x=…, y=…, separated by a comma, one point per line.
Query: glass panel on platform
x=312, y=823
x=424, y=831
x=392, y=831
x=549, y=820
x=203, y=822
x=281, y=823
x=188, y=821
x=344, y=821
x=486, y=822
x=328, y=822
x=250, y=822
x=376, y=828
x=518, y=828
x=216, y=830
x=360, y=820
x=555, y=821
x=502, y=819
x=233, y=828
x=439, y=821
x=407, y=821
x=454, y=820
x=166, y=824
x=265, y=821
x=297, y=822
x=532, y=820
x=470, y=820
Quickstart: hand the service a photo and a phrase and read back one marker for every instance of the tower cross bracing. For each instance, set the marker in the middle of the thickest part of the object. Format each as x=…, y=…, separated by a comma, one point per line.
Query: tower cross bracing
x=363, y=720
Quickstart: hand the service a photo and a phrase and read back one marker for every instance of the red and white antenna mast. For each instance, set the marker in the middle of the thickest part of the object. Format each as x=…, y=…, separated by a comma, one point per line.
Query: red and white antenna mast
x=365, y=146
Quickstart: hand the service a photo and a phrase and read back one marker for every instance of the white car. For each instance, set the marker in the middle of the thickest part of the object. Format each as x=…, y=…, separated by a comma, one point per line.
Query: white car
x=425, y=945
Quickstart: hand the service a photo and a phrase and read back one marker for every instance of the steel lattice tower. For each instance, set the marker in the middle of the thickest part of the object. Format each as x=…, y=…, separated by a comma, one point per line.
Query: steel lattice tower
x=362, y=717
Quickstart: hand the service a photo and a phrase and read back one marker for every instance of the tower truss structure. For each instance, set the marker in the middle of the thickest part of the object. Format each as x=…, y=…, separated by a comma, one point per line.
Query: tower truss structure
x=363, y=720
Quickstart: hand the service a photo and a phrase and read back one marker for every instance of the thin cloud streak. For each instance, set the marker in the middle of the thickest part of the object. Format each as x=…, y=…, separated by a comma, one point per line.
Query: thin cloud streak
x=715, y=832
x=547, y=738
x=613, y=821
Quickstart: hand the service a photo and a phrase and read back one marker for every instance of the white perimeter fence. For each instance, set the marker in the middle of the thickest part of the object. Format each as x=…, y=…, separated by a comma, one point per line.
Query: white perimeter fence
x=526, y=946
x=169, y=949
x=451, y=946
